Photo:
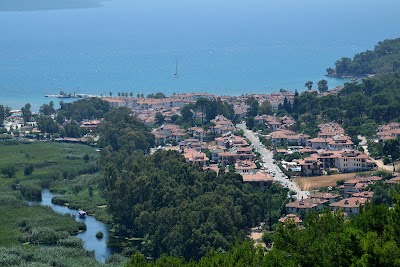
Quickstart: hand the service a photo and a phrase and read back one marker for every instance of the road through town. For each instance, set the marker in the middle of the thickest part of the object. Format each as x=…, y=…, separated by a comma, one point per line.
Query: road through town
x=269, y=164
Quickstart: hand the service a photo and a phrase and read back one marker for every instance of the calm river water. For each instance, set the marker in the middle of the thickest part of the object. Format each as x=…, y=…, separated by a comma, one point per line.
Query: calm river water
x=91, y=243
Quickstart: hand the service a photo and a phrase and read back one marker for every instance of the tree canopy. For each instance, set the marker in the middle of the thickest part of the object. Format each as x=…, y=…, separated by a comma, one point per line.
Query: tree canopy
x=90, y=108
x=174, y=207
x=371, y=238
x=156, y=95
x=384, y=59
x=120, y=130
x=359, y=107
x=179, y=209
x=209, y=110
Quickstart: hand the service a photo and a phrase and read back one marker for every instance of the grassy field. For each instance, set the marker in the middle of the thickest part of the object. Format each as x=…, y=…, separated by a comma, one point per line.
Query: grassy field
x=316, y=182
x=66, y=168
x=68, y=253
x=38, y=224
x=49, y=160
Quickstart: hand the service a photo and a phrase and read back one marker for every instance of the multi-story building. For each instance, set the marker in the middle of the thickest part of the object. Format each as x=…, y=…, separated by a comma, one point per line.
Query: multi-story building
x=349, y=205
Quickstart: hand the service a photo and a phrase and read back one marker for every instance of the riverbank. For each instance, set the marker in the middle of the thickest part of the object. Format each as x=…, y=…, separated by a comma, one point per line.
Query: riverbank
x=82, y=193
x=89, y=234
x=23, y=227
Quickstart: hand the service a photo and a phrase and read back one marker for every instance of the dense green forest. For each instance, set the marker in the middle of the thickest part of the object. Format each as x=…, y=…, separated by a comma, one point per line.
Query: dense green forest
x=384, y=59
x=174, y=207
x=370, y=239
x=359, y=107
x=384, y=149
x=67, y=118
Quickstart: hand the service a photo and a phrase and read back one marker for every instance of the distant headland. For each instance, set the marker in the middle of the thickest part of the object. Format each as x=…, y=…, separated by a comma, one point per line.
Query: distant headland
x=384, y=59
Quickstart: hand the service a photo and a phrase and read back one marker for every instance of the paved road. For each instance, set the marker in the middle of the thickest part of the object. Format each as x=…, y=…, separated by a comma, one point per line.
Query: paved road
x=268, y=163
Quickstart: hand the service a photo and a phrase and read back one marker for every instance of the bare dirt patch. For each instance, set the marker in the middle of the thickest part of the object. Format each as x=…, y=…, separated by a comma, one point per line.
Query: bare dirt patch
x=314, y=183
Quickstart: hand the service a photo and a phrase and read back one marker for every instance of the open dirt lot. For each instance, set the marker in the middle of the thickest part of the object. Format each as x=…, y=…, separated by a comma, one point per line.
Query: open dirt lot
x=316, y=182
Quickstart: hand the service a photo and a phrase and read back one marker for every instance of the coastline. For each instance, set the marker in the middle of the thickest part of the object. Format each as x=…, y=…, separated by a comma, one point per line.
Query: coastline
x=15, y=99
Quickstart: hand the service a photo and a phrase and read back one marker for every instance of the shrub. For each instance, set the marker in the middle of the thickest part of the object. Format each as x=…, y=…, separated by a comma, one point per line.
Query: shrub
x=43, y=235
x=340, y=182
x=30, y=190
x=28, y=170
x=86, y=157
x=72, y=242
x=58, y=201
x=267, y=238
x=9, y=200
x=386, y=160
x=82, y=227
x=99, y=235
x=73, y=156
x=9, y=171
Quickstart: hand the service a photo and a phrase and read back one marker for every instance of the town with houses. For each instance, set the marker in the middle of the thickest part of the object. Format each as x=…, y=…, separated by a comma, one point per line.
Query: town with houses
x=224, y=146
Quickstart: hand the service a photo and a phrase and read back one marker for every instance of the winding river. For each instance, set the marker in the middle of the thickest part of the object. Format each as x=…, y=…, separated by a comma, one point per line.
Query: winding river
x=90, y=242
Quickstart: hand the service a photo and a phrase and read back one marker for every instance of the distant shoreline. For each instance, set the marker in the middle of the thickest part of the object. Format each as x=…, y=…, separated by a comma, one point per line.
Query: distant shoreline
x=16, y=99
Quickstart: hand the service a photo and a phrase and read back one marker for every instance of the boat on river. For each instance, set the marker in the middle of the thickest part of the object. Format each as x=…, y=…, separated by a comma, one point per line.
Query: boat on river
x=82, y=214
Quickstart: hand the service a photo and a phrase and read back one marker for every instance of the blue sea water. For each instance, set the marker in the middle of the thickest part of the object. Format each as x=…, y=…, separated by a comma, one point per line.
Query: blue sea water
x=222, y=47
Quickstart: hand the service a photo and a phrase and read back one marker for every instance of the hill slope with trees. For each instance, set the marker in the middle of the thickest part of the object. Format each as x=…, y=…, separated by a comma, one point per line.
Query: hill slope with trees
x=370, y=239
x=359, y=107
x=384, y=59
x=174, y=207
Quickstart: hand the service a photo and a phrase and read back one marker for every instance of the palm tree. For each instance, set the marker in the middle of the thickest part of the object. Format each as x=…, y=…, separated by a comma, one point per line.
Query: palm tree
x=119, y=94
x=131, y=94
x=110, y=93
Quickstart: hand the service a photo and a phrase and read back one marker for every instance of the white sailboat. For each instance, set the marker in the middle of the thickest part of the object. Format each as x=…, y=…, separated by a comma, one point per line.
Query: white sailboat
x=176, y=75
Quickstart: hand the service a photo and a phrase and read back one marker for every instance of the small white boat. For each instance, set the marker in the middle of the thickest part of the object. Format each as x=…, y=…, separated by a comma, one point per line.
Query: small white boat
x=82, y=214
